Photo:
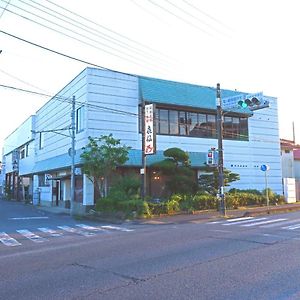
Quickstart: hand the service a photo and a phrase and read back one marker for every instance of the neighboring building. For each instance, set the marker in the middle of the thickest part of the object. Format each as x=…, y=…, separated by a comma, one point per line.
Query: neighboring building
x=109, y=102
x=290, y=160
x=18, y=160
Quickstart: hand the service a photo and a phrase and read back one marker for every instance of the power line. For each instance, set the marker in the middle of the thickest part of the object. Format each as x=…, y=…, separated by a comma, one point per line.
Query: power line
x=109, y=30
x=93, y=31
x=194, y=17
x=117, y=52
x=21, y=80
x=206, y=14
x=132, y=59
x=56, y=52
x=4, y=9
x=179, y=17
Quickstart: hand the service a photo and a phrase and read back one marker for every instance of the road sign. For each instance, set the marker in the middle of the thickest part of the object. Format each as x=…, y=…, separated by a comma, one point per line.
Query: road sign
x=265, y=168
x=232, y=102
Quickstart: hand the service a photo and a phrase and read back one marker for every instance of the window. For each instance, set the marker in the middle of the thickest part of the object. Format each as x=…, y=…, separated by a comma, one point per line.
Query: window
x=211, y=125
x=41, y=140
x=173, y=119
x=182, y=123
x=80, y=119
x=194, y=124
x=27, y=150
x=163, y=121
x=22, y=153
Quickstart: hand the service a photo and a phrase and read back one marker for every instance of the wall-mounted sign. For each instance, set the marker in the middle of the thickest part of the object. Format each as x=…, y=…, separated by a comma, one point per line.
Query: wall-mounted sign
x=149, y=133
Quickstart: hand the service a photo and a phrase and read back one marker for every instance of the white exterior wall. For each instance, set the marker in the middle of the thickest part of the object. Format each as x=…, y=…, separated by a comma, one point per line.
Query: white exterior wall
x=21, y=136
x=117, y=92
x=56, y=114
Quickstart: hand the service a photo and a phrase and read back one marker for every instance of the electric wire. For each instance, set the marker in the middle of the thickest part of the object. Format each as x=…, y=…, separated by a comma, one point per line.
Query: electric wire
x=145, y=47
x=132, y=60
x=21, y=80
x=142, y=55
x=194, y=17
x=179, y=17
x=3, y=10
x=93, y=31
x=207, y=15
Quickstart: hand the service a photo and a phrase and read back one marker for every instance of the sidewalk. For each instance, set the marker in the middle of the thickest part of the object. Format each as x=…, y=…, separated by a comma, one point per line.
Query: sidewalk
x=212, y=214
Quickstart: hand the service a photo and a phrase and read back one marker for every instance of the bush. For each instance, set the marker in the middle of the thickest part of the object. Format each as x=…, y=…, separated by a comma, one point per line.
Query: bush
x=172, y=206
x=130, y=208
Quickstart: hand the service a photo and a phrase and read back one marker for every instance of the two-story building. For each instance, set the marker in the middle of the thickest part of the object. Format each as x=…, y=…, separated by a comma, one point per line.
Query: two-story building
x=110, y=102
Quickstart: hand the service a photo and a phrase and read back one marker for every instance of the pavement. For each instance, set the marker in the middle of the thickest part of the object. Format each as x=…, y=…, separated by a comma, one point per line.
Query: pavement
x=188, y=217
x=213, y=214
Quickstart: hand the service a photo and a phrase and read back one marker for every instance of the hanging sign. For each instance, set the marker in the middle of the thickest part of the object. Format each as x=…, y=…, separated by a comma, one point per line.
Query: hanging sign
x=149, y=133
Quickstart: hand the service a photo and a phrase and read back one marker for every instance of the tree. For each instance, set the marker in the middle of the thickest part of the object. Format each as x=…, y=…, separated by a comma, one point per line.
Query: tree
x=177, y=169
x=208, y=182
x=100, y=158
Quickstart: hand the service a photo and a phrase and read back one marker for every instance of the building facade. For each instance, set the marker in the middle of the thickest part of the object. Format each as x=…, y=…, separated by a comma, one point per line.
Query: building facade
x=110, y=102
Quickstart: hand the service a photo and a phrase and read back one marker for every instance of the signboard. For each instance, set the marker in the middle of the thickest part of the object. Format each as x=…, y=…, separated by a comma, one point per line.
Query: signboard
x=232, y=102
x=149, y=133
x=48, y=178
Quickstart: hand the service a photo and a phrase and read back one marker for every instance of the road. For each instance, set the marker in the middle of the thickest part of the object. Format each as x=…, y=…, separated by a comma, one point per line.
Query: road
x=248, y=258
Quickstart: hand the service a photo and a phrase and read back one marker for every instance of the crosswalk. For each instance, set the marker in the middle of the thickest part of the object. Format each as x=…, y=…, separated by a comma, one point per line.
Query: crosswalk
x=261, y=222
x=16, y=238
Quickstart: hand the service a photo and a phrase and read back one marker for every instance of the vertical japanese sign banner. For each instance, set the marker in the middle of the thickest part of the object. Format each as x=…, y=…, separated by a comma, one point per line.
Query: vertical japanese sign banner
x=149, y=134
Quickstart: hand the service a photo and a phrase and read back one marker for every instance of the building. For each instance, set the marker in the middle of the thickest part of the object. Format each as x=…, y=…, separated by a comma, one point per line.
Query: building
x=110, y=102
x=290, y=161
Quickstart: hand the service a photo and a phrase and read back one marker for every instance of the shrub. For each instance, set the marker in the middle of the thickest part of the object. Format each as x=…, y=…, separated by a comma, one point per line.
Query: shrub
x=204, y=201
x=130, y=208
x=172, y=206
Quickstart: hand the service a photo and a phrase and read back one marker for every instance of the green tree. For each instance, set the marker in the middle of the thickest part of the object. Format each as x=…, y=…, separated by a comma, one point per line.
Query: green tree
x=177, y=169
x=208, y=182
x=100, y=158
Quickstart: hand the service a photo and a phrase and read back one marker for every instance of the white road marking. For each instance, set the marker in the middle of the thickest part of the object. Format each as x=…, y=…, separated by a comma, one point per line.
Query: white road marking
x=29, y=218
x=282, y=223
x=291, y=227
x=263, y=222
x=7, y=240
x=240, y=219
x=215, y=222
x=50, y=231
x=75, y=230
x=243, y=222
x=116, y=228
x=219, y=230
x=91, y=228
x=31, y=236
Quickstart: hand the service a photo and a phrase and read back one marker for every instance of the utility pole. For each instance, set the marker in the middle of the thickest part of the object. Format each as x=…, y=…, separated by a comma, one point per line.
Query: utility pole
x=72, y=208
x=220, y=151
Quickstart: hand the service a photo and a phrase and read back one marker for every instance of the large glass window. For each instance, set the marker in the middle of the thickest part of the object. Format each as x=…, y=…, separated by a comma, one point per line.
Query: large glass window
x=194, y=124
x=173, y=119
x=163, y=121
x=211, y=125
x=182, y=123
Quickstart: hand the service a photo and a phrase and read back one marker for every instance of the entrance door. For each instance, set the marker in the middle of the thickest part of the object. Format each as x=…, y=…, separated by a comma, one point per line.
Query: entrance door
x=56, y=192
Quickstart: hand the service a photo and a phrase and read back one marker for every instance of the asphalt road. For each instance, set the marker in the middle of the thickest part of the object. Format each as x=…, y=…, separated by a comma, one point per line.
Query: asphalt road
x=255, y=258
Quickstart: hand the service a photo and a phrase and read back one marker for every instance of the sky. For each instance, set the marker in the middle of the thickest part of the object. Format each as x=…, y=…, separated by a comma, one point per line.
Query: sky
x=251, y=46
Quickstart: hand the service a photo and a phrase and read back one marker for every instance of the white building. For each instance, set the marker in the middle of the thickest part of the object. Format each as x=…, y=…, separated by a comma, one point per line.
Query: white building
x=109, y=102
